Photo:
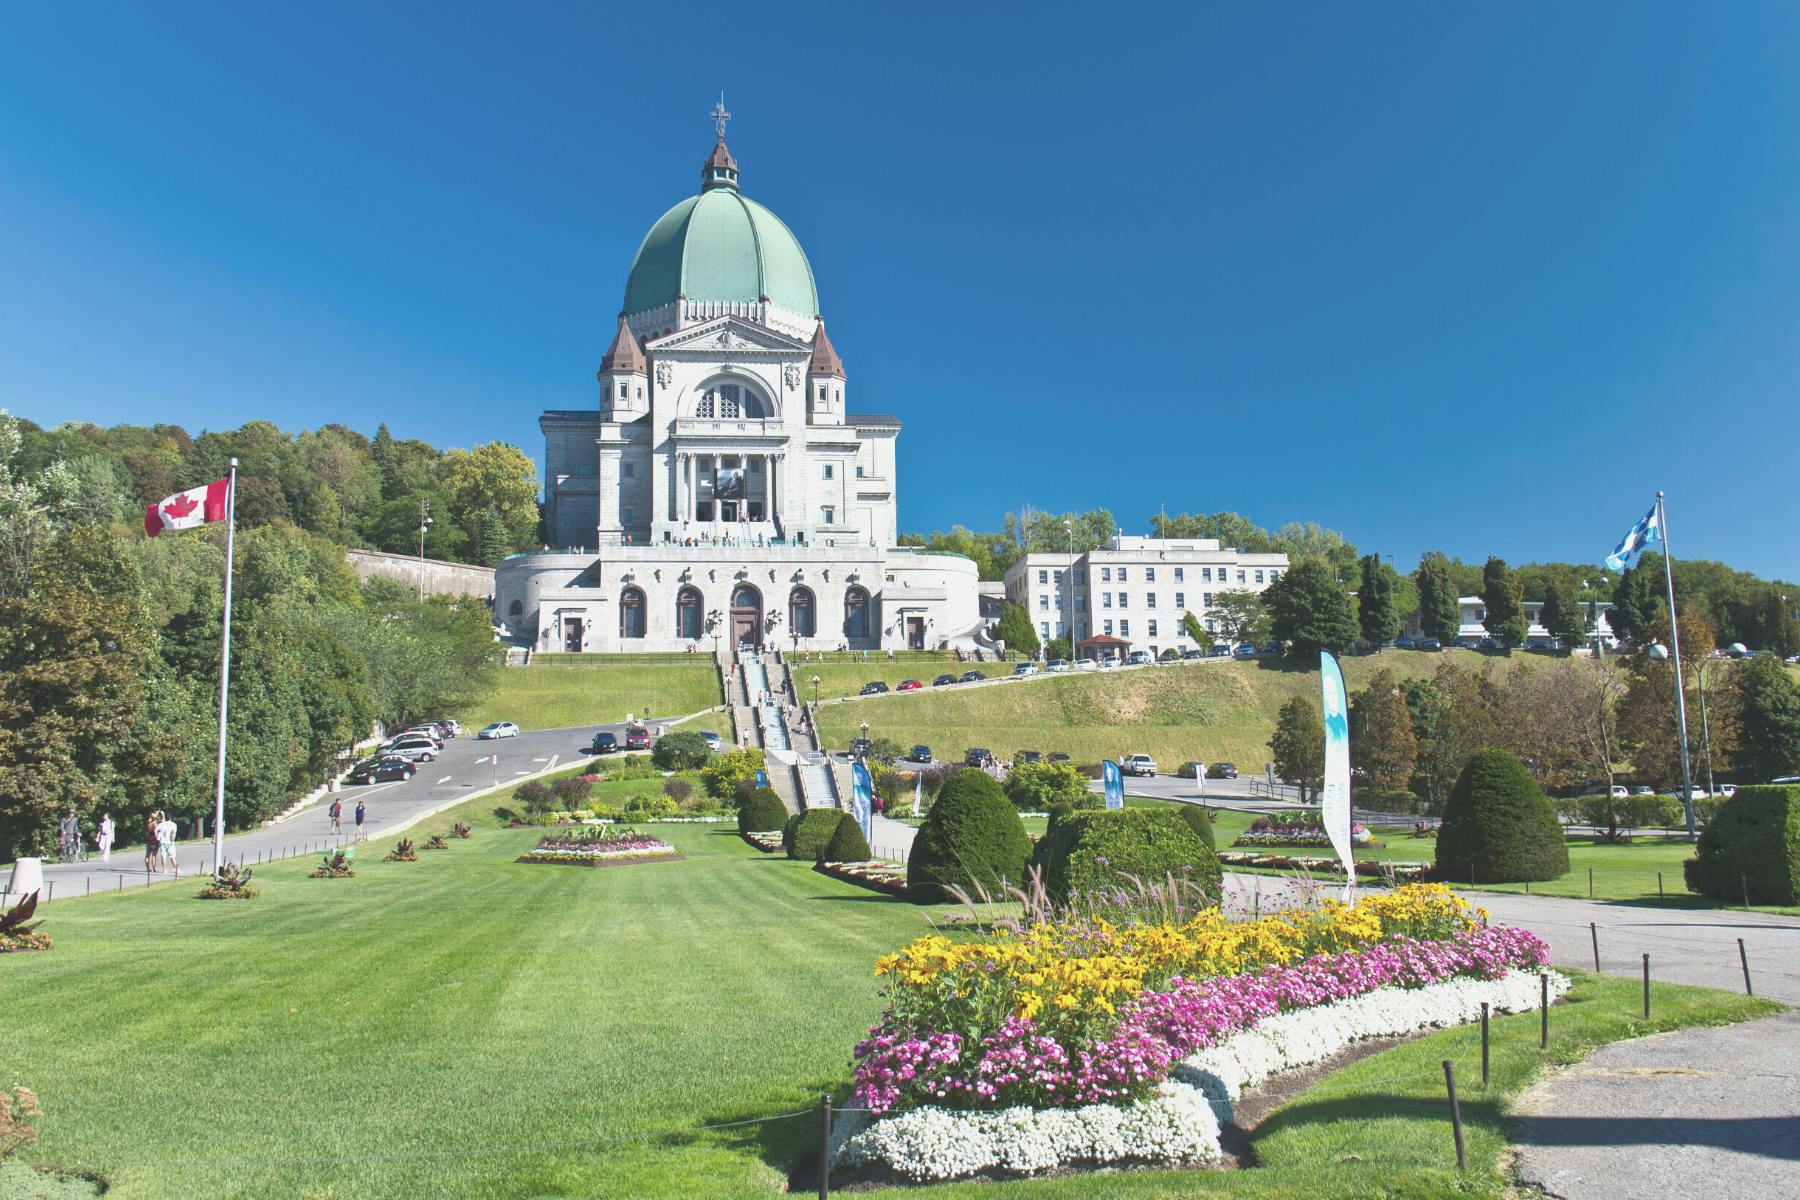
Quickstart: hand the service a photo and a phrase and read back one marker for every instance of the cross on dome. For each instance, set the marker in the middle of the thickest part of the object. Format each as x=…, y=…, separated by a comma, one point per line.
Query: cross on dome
x=720, y=116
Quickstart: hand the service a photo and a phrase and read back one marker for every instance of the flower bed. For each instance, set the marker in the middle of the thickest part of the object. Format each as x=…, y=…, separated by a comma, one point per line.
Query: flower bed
x=1298, y=829
x=1402, y=872
x=600, y=848
x=1062, y=1043
x=769, y=842
x=874, y=874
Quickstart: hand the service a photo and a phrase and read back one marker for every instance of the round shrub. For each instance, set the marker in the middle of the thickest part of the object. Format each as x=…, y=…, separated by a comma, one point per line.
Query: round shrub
x=680, y=752
x=535, y=795
x=812, y=832
x=1034, y=787
x=572, y=792
x=678, y=789
x=762, y=812
x=1753, y=844
x=972, y=839
x=848, y=843
x=1099, y=851
x=1200, y=819
x=1498, y=826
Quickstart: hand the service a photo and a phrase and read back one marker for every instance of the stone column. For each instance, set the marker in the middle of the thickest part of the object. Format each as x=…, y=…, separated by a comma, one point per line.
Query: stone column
x=680, y=464
x=718, y=508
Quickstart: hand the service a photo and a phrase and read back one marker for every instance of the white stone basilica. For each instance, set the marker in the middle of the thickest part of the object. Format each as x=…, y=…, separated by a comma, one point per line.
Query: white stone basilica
x=722, y=492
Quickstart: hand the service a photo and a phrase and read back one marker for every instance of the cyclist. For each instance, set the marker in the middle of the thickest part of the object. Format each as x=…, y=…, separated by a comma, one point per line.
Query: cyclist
x=69, y=837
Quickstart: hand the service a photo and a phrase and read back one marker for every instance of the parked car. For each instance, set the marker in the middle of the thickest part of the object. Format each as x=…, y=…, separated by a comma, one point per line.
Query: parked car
x=1191, y=770
x=943, y=681
x=1025, y=668
x=417, y=750
x=1403, y=643
x=713, y=741
x=1222, y=770
x=1138, y=764
x=1245, y=650
x=603, y=743
x=498, y=729
x=1783, y=778
x=1728, y=789
x=1057, y=756
x=873, y=688
x=410, y=741
x=381, y=769
x=909, y=685
x=1219, y=650
x=1642, y=790
x=920, y=753
x=453, y=725
x=1619, y=790
x=1272, y=647
x=1026, y=756
x=637, y=738
x=978, y=757
x=1538, y=644
x=1138, y=658
x=971, y=677
x=1191, y=654
x=1429, y=644
x=1057, y=664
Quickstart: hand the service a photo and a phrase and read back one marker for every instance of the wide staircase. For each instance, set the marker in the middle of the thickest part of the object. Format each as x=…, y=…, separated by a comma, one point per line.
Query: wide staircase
x=817, y=787
x=768, y=713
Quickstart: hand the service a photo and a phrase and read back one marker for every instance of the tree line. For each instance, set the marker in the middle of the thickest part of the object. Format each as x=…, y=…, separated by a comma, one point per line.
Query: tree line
x=333, y=482
x=109, y=659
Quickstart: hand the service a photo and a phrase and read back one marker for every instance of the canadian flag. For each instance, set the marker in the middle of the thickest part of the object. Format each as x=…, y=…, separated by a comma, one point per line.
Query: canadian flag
x=186, y=510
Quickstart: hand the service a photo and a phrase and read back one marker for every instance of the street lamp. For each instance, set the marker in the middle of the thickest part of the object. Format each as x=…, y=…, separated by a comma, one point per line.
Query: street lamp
x=815, y=683
x=865, y=740
x=425, y=523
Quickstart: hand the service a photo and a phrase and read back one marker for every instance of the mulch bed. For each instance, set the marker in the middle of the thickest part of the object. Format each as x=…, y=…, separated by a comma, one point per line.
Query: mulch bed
x=885, y=887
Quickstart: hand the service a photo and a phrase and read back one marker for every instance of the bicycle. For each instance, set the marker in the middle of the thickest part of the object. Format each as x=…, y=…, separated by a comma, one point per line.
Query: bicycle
x=72, y=850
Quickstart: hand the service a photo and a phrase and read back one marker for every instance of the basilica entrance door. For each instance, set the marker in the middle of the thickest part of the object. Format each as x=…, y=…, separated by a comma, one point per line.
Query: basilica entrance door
x=746, y=616
x=573, y=628
x=915, y=633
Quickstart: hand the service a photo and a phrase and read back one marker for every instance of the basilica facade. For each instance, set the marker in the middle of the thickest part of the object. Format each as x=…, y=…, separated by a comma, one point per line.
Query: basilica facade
x=722, y=492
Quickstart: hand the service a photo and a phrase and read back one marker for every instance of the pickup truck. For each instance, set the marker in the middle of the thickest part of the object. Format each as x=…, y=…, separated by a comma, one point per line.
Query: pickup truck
x=1138, y=764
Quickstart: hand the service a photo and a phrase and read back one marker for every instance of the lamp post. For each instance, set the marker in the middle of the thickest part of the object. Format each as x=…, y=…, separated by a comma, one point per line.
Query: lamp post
x=815, y=683
x=424, y=524
x=865, y=741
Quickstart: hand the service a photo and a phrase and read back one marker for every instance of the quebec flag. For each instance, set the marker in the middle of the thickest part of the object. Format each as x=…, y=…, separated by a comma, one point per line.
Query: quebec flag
x=1646, y=533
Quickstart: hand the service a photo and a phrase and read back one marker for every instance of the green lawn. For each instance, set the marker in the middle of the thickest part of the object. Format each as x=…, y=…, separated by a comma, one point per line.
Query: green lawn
x=467, y=1026
x=1217, y=711
x=845, y=674
x=592, y=689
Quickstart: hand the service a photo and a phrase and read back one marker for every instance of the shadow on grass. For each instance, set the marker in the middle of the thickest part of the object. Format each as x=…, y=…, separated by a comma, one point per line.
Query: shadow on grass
x=789, y=1144
x=1348, y=1109
x=871, y=898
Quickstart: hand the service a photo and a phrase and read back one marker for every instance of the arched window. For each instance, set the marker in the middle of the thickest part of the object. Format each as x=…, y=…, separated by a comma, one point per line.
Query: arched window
x=631, y=613
x=856, y=613
x=689, y=622
x=746, y=596
x=802, y=618
x=729, y=401
x=516, y=608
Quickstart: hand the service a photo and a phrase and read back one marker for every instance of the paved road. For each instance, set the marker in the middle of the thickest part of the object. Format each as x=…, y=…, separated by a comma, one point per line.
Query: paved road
x=465, y=766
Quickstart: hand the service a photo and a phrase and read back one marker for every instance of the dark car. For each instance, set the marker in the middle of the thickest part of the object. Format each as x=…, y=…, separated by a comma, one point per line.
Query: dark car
x=1189, y=654
x=1190, y=770
x=1429, y=644
x=378, y=770
x=1057, y=756
x=943, y=681
x=1245, y=650
x=1026, y=756
x=920, y=754
x=603, y=743
x=1222, y=771
x=977, y=757
x=1403, y=643
x=873, y=688
x=637, y=738
x=972, y=677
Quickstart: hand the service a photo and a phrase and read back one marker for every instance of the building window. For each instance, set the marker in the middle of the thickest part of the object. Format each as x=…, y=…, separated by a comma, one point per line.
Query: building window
x=1211, y=627
x=1124, y=628
x=1059, y=578
x=1043, y=602
x=756, y=464
x=726, y=400
x=1150, y=574
x=628, y=470
x=1043, y=577
x=1121, y=574
x=1205, y=574
x=1150, y=602
x=1105, y=599
x=1124, y=600
x=1206, y=602
x=689, y=622
x=1153, y=629
x=1108, y=625
x=827, y=470
x=1180, y=599
x=631, y=613
x=821, y=393
x=829, y=513
x=1105, y=574
x=1080, y=602
x=621, y=391
x=1178, y=575
x=515, y=609
x=802, y=617
x=856, y=613
x=1044, y=628
x=1259, y=577
x=1060, y=631
x=859, y=472
x=625, y=515
x=1240, y=575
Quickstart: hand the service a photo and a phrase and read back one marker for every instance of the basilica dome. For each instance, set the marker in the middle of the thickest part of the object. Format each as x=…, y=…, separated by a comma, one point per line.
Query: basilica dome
x=720, y=246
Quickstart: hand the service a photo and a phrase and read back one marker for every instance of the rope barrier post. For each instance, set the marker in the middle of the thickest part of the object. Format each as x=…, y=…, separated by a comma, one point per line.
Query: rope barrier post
x=1594, y=932
x=1744, y=880
x=1484, y=1044
x=1544, y=1011
x=1659, y=890
x=1590, y=883
x=825, y=1147
x=1462, y=1155
x=1646, y=987
x=1744, y=958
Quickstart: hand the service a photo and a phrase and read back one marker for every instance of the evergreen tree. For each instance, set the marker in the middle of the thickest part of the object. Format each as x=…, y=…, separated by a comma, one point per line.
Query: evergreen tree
x=492, y=544
x=1310, y=611
x=1376, y=616
x=1298, y=746
x=1565, y=618
x=1381, y=733
x=1768, y=721
x=1780, y=631
x=1638, y=600
x=1016, y=630
x=1504, y=599
x=1440, y=616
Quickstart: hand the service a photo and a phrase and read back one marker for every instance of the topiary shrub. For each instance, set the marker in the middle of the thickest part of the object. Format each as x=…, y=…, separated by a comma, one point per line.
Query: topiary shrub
x=811, y=833
x=678, y=789
x=972, y=839
x=1752, y=843
x=762, y=812
x=1096, y=851
x=847, y=843
x=788, y=827
x=680, y=752
x=1200, y=819
x=1498, y=826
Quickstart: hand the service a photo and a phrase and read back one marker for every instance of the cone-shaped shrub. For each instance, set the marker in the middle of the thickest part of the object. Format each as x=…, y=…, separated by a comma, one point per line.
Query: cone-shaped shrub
x=811, y=833
x=1199, y=819
x=762, y=812
x=1498, y=826
x=848, y=844
x=972, y=839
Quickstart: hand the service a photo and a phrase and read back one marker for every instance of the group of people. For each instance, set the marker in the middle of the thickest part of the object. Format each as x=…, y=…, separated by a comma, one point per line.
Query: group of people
x=337, y=817
x=159, y=843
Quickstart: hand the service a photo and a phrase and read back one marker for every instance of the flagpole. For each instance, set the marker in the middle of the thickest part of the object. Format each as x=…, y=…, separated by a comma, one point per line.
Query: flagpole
x=224, y=671
x=1687, y=782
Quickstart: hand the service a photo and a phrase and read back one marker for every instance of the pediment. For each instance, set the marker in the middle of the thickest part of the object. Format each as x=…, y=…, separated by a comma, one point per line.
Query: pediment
x=727, y=336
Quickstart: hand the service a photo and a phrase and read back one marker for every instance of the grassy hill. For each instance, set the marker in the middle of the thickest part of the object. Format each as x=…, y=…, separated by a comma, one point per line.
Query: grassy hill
x=1211, y=711
x=591, y=689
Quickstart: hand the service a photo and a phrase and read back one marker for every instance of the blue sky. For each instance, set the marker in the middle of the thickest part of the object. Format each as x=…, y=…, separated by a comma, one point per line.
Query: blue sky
x=1477, y=278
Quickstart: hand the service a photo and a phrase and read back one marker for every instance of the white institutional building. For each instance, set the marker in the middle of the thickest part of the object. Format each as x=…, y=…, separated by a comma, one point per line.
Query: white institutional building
x=722, y=491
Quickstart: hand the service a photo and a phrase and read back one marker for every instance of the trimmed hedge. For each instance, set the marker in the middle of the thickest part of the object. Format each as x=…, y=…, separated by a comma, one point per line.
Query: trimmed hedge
x=972, y=839
x=1752, y=843
x=1089, y=852
x=812, y=829
x=847, y=843
x=1200, y=820
x=762, y=812
x=1498, y=826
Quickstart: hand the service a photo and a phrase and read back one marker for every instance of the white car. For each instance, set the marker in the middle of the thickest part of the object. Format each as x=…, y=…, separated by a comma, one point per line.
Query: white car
x=1086, y=664
x=498, y=729
x=713, y=741
x=1138, y=764
x=410, y=749
x=1057, y=664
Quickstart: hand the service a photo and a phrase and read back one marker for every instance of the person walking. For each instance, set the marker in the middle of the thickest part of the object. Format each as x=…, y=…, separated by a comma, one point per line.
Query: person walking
x=166, y=835
x=337, y=815
x=152, y=856
x=360, y=812
x=105, y=837
x=68, y=838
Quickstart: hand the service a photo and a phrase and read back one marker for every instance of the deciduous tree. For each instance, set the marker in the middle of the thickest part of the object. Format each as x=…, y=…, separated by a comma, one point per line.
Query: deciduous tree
x=1382, y=743
x=1298, y=746
x=1310, y=611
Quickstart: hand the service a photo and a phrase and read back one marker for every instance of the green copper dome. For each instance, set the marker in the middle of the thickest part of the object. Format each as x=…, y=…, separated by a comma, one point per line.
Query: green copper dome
x=721, y=246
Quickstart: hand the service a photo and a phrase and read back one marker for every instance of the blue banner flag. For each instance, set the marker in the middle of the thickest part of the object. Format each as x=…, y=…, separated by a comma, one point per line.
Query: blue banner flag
x=762, y=779
x=1643, y=535
x=862, y=797
x=1115, y=783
